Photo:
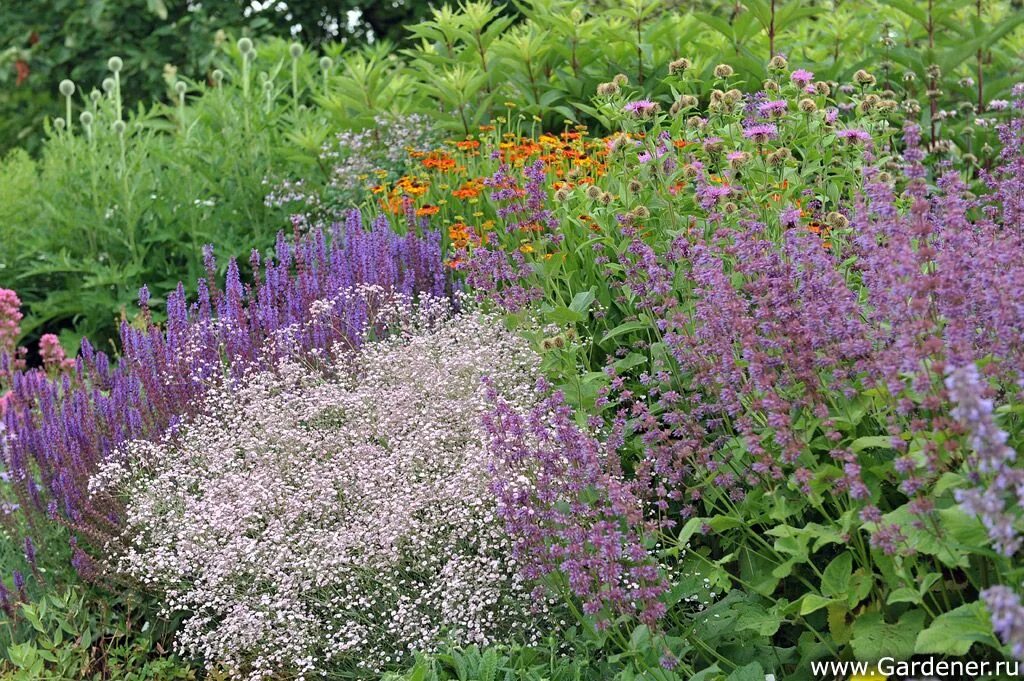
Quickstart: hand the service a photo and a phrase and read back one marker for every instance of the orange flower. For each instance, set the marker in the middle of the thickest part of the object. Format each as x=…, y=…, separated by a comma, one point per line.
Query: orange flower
x=427, y=211
x=411, y=186
x=469, y=190
x=467, y=145
x=438, y=160
x=459, y=234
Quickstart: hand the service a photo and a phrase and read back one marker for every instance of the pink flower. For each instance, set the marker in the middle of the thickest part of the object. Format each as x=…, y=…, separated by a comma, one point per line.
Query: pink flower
x=641, y=108
x=801, y=77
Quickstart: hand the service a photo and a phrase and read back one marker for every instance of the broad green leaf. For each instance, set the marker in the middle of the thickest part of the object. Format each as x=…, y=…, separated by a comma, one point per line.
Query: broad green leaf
x=873, y=638
x=813, y=602
x=954, y=632
x=871, y=442
x=756, y=618
x=835, y=580
x=751, y=672
x=623, y=328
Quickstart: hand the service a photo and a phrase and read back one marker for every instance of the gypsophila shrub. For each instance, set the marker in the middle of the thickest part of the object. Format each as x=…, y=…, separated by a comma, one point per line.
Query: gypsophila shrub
x=354, y=161
x=313, y=521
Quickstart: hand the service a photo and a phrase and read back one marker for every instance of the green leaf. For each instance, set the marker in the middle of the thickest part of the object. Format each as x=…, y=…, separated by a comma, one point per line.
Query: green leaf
x=488, y=666
x=712, y=673
x=835, y=580
x=873, y=638
x=623, y=328
x=756, y=618
x=631, y=360
x=813, y=602
x=903, y=595
x=871, y=442
x=582, y=301
x=954, y=632
x=751, y=672
x=838, y=625
x=860, y=586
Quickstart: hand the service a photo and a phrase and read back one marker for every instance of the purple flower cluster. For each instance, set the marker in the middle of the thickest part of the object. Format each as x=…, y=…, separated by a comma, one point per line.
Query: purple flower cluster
x=61, y=429
x=568, y=510
x=992, y=463
x=1007, y=617
x=522, y=208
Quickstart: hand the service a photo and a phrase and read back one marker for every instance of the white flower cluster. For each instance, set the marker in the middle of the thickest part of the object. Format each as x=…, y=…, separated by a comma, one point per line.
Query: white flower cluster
x=309, y=523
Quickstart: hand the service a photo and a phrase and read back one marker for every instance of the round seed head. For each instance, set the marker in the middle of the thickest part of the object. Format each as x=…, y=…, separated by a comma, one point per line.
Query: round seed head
x=115, y=64
x=118, y=127
x=86, y=118
x=837, y=220
x=723, y=71
x=862, y=77
x=95, y=96
x=678, y=66
x=326, y=63
x=59, y=123
x=295, y=50
x=218, y=76
x=108, y=84
x=244, y=45
x=180, y=87
x=66, y=87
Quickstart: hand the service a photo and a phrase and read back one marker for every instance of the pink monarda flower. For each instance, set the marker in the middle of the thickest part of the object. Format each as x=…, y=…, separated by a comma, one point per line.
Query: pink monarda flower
x=801, y=77
x=641, y=108
x=319, y=521
x=762, y=132
x=773, y=109
x=854, y=136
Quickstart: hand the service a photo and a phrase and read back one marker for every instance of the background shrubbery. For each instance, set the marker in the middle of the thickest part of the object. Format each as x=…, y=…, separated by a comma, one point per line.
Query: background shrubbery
x=196, y=165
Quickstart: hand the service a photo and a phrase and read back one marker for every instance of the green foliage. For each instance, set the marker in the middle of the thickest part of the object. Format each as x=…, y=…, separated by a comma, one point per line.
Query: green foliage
x=108, y=210
x=192, y=166
x=74, y=635
x=49, y=40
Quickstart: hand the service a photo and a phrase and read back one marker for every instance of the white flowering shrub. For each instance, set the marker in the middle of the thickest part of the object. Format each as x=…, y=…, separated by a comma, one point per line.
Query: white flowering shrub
x=311, y=523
